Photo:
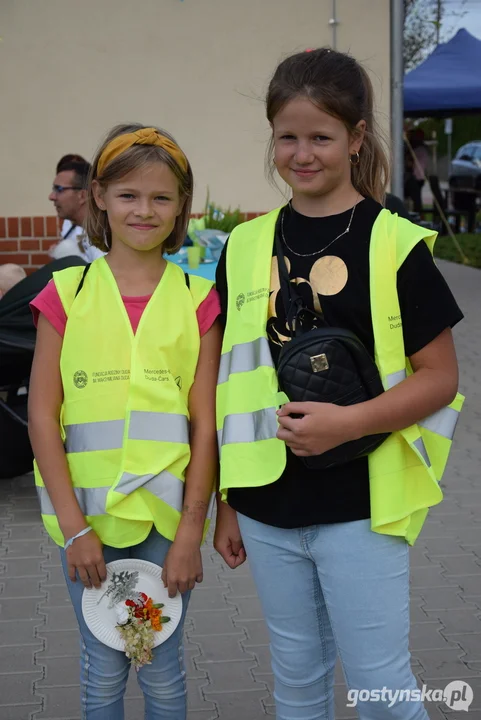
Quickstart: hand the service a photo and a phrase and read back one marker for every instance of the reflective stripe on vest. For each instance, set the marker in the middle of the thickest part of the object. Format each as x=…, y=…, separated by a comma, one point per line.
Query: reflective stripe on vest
x=108, y=435
x=244, y=358
x=421, y=448
x=443, y=422
x=88, y=437
x=92, y=501
x=395, y=378
x=165, y=486
x=249, y=427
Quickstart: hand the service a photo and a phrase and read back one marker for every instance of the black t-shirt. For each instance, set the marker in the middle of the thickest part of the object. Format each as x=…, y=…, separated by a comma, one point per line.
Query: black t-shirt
x=336, y=281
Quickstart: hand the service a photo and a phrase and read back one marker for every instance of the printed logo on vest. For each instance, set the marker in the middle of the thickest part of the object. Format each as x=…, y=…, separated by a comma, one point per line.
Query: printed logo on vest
x=241, y=298
x=80, y=379
x=178, y=382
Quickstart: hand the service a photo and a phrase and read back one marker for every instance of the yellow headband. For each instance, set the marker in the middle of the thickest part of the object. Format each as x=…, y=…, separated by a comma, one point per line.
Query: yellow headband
x=146, y=136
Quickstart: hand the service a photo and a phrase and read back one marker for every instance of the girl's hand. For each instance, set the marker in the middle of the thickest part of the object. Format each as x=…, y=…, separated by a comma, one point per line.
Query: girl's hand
x=182, y=567
x=323, y=426
x=227, y=537
x=85, y=558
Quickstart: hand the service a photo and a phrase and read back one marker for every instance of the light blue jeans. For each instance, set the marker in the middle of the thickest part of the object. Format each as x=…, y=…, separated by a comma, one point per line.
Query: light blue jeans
x=328, y=590
x=104, y=671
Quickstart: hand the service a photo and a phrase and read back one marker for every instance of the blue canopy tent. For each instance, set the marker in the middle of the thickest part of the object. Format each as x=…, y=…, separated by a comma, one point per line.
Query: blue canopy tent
x=448, y=82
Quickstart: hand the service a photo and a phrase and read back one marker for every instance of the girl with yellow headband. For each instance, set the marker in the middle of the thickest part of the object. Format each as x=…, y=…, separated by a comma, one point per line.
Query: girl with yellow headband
x=122, y=409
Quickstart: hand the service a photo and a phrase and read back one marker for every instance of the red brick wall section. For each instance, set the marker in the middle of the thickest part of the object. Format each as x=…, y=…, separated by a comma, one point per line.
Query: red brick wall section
x=27, y=240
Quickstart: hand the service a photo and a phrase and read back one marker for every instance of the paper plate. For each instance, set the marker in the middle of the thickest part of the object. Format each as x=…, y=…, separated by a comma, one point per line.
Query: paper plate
x=99, y=606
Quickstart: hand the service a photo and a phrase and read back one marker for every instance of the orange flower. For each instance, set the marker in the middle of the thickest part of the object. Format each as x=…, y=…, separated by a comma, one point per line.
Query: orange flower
x=156, y=624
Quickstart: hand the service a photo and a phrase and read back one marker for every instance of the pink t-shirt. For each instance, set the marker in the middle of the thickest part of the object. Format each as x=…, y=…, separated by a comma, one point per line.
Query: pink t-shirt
x=49, y=304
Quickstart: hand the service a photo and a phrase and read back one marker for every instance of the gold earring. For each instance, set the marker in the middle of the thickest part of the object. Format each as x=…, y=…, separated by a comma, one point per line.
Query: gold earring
x=358, y=159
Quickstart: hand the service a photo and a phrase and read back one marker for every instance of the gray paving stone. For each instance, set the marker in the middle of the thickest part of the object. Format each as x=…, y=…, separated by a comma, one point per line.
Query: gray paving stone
x=21, y=567
x=60, y=703
x=24, y=517
x=58, y=672
x=416, y=611
x=262, y=656
x=427, y=636
x=21, y=587
x=469, y=584
x=441, y=598
x=469, y=643
x=241, y=586
x=18, y=632
x=55, y=618
x=245, y=705
x=248, y=608
x=256, y=631
x=445, y=663
x=53, y=575
x=213, y=622
x=466, y=564
x=61, y=643
x=429, y=576
x=19, y=712
x=436, y=547
x=19, y=608
x=457, y=620
x=23, y=548
x=231, y=675
x=25, y=532
x=17, y=688
x=215, y=648
x=19, y=659
x=205, y=599
x=196, y=699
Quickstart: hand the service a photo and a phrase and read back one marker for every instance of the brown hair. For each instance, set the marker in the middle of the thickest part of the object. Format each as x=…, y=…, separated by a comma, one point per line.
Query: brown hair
x=97, y=225
x=340, y=86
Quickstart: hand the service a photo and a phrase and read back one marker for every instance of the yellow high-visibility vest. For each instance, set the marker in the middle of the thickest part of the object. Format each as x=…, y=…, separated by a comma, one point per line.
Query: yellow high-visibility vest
x=405, y=470
x=125, y=419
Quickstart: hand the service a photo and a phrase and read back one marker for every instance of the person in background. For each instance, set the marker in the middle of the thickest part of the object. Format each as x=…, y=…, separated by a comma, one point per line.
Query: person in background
x=415, y=168
x=10, y=275
x=67, y=225
x=69, y=195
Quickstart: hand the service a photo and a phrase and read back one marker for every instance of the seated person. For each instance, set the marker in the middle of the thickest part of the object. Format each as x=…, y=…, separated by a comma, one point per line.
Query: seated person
x=10, y=275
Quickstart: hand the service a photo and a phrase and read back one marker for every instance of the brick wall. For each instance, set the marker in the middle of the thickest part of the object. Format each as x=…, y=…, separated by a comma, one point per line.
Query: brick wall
x=27, y=240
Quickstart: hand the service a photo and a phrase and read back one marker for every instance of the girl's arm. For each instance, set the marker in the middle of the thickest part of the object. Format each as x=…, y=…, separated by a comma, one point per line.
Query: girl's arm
x=45, y=401
x=432, y=386
x=183, y=565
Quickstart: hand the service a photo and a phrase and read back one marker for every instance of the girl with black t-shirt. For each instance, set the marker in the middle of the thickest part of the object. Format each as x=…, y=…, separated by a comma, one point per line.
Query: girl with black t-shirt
x=327, y=583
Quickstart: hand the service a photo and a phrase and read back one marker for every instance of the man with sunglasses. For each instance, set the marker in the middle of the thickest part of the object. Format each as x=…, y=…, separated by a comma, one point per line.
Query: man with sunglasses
x=69, y=195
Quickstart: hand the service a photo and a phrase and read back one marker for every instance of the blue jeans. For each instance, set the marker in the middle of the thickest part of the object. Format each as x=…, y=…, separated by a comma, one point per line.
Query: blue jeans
x=328, y=590
x=104, y=671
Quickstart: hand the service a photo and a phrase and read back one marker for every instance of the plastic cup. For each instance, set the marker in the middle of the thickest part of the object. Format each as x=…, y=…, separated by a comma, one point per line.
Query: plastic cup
x=193, y=257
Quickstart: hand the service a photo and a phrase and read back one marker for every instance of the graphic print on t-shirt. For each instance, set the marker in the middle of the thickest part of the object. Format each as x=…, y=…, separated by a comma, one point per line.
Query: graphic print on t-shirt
x=328, y=276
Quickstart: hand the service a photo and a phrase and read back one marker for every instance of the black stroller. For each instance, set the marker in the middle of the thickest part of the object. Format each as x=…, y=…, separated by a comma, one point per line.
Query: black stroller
x=17, y=343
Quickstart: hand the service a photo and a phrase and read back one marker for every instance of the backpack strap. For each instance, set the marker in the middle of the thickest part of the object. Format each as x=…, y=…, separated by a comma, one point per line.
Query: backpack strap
x=82, y=279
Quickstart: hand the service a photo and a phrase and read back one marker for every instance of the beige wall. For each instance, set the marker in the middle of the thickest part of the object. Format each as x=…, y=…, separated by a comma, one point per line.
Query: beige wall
x=70, y=69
